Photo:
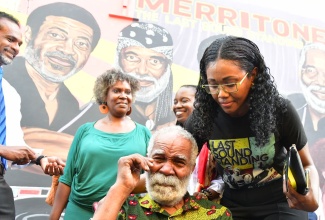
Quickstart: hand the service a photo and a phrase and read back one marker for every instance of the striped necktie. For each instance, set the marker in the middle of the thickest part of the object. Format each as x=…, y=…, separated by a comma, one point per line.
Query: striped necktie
x=2, y=119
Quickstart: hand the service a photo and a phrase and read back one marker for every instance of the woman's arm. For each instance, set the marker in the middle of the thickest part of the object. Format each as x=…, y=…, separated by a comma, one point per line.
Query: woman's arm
x=60, y=201
x=308, y=202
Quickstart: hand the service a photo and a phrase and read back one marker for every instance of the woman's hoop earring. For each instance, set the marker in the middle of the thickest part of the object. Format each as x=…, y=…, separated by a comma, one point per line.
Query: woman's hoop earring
x=129, y=112
x=103, y=108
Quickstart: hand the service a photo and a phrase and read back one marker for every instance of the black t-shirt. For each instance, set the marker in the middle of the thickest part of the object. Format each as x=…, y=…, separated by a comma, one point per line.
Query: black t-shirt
x=243, y=163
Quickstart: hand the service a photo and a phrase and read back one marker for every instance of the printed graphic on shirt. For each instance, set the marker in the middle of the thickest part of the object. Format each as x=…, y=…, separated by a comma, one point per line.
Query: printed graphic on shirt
x=245, y=163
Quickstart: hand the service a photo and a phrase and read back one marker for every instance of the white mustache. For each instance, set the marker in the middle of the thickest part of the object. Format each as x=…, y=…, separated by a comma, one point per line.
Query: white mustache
x=142, y=77
x=316, y=88
x=161, y=179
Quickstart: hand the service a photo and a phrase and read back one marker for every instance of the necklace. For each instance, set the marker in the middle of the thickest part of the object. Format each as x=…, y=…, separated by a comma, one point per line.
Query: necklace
x=150, y=124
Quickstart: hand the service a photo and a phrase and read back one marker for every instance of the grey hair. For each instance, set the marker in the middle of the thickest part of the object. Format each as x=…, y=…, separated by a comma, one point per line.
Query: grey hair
x=106, y=80
x=305, y=49
x=178, y=131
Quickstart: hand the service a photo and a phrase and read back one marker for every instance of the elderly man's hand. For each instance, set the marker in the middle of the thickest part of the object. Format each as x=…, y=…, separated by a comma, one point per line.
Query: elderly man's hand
x=52, y=165
x=129, y=169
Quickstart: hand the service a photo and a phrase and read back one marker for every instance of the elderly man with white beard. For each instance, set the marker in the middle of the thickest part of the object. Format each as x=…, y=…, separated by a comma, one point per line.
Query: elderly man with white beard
x=145, y=51
x=60, y=38
x=171, y=159
x=310, y=104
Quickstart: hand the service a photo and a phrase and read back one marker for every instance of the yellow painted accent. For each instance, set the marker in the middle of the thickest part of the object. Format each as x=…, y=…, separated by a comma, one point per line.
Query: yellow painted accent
x=105, y=50
x=20, y=16
x=81, y=86
x=184, y=76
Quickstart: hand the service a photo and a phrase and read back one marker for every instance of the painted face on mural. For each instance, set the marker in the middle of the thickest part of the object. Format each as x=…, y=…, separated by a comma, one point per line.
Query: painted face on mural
x=60, y=48
x=147, y=66
x=313, y=79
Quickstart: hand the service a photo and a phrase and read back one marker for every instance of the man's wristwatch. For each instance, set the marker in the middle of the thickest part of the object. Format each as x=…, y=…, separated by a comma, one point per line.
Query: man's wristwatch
x=38, y=160
x=207, y=193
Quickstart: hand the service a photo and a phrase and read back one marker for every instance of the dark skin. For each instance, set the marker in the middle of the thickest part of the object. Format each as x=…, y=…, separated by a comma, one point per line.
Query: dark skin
x=169, y=156
x=20, y=155
x=118, y=99
x=237, y=104
x=309, y=201
x=128, y=176
x=10, y=42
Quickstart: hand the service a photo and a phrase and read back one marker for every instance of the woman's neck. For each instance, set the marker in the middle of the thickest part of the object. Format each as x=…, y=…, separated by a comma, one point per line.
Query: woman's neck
x=111, y=124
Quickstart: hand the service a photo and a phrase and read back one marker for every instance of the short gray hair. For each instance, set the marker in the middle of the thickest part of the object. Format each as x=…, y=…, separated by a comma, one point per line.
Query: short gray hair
x=179, y=132
x=305, y=49
x=108, y=79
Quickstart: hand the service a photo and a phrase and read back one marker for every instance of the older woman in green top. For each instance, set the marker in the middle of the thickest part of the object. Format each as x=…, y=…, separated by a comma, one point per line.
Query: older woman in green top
x=91, y=167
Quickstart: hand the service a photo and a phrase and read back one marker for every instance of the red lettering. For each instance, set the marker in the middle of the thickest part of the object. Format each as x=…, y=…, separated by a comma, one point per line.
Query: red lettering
x=154, y=6
x=300, y=32
x=318, y=35
x=244, y=19
x=204, y=10
x=281, y=28
x=178, y=7
x=227, y=14
x=261, y=22
x=216, y=15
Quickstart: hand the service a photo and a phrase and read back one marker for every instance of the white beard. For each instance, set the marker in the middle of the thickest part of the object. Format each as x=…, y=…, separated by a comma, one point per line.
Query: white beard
x=312, y=100
x=5, y=60
x=32, y=57
x=148, y=94
x=166, y=195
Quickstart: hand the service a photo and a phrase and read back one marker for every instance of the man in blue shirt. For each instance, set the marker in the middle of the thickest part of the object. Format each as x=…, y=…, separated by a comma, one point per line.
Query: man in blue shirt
x=10, y=41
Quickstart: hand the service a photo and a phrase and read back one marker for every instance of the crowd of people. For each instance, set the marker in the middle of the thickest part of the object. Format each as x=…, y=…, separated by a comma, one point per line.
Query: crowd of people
x=218, y=153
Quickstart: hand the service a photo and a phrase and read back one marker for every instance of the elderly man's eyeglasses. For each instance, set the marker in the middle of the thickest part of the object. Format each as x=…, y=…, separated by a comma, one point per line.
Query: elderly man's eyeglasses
x=153, y=62
x=310, y=71
x=229, y=87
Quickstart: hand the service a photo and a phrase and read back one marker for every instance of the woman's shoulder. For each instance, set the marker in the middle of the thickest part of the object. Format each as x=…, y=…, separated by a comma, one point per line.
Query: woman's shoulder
x=85, y=127
x=142, y=128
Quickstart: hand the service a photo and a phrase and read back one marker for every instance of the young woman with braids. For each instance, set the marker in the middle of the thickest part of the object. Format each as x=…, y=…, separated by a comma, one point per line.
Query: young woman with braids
x=249, y=127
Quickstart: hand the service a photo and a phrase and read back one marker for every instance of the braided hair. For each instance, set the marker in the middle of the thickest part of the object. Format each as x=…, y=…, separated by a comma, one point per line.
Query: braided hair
x=264, y=99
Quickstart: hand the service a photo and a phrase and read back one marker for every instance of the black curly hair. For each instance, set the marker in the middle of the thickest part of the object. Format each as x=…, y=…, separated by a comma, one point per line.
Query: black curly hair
x=266, y=104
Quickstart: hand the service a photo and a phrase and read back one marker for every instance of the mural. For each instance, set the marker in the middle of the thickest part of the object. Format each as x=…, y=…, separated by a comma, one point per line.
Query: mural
x=68, y=43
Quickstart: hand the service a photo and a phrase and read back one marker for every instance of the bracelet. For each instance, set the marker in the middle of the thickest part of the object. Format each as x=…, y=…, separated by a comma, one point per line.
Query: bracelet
x=207, y=193
x=38, y=160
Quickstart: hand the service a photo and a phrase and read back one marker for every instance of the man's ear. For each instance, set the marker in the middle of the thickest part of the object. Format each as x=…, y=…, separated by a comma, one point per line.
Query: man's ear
x=28, y=34
x=193, y=167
